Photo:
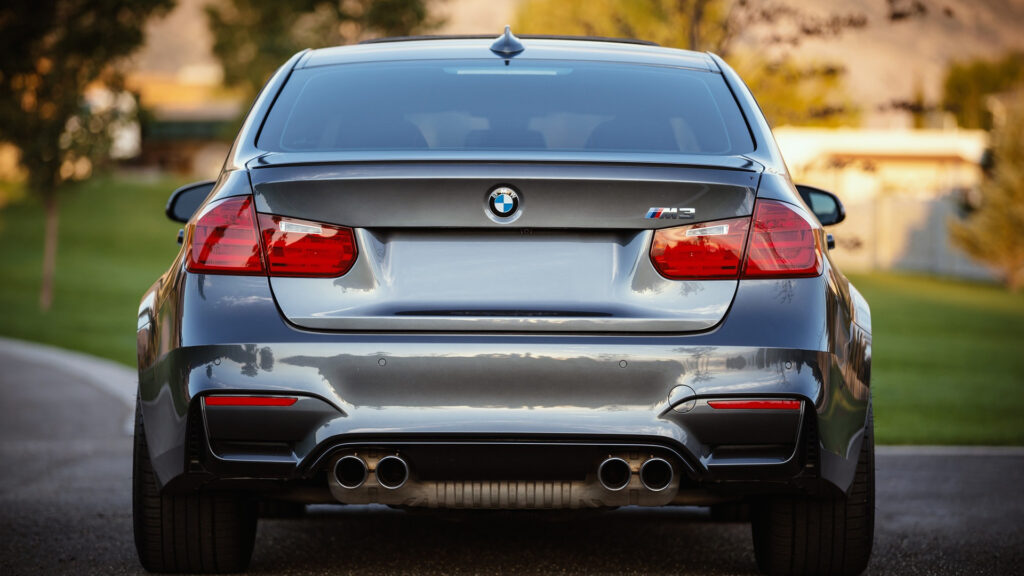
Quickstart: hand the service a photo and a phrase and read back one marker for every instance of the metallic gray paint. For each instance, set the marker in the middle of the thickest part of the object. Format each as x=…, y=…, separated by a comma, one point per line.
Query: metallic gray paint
x=198, y=334
x=477, y=281
x=503, y=385
x=440, y=195
x=536, y=49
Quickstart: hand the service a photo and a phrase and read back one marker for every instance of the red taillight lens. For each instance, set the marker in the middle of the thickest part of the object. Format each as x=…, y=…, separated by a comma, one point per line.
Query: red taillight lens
x=302, y=248
x=224, y=238
x=783, y=243
x=707, y=251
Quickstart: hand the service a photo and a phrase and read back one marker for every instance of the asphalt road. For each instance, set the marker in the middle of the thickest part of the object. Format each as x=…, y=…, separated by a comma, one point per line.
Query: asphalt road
x=65, y=508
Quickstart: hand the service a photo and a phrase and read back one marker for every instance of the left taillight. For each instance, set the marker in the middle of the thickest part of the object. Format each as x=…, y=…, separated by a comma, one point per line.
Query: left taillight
x=303, y=248
x=224, y=239
x=229, y=237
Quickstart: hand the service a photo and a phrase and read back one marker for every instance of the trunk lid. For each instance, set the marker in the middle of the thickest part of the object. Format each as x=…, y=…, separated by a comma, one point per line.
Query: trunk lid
x=433, y=257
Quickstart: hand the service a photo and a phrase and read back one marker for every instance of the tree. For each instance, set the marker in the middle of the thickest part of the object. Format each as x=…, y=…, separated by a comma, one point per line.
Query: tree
x=51, y=51
x=253, y=37
x=969, y=84
x=789, y=92
x=992, y=233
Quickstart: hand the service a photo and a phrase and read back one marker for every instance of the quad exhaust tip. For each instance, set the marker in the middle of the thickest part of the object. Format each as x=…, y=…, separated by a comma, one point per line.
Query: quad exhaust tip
x=656, y=474
x=350, y=471
x=392, y=472
x=614, y=474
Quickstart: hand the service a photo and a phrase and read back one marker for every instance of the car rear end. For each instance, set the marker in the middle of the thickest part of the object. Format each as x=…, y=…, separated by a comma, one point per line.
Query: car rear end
x=449, y=279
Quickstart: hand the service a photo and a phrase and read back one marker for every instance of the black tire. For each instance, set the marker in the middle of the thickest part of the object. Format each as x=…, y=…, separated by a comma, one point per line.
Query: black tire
x=197, y=532
x=281, y=509
x=730, y=512
x=820, y=536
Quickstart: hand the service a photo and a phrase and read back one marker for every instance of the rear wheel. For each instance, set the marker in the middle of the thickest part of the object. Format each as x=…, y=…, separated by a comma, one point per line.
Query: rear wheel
x=281, y=509
x=730, y=512
x=197, y=532
x=820, y=536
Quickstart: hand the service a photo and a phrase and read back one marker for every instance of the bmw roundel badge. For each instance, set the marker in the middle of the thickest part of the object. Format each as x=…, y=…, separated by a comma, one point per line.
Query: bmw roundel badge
x=503, y=204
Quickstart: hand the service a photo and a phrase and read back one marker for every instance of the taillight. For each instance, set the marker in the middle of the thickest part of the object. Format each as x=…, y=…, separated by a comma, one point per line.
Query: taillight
x=783, y=243
x=224, y=239
x=708, y=251
x=303, y=248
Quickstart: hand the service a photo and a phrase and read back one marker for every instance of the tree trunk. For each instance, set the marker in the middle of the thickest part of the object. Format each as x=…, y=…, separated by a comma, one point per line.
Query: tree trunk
x=49, y=250
x=696, y=19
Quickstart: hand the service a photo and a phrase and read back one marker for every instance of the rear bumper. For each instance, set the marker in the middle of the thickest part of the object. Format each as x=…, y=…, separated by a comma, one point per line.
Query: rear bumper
x=403, y=392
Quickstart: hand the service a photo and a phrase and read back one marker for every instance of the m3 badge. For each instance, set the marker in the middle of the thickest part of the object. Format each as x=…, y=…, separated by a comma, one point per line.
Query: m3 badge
x=671, y=213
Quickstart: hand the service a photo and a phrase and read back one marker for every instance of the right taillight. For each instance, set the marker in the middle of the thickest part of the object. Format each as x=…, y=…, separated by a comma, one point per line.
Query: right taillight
x=226, y=239
x=707, y=251
x=783, y=243
x=778, y=242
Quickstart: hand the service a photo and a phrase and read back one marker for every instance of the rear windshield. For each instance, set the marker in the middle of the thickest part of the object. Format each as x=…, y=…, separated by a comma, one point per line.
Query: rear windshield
x=481, y=105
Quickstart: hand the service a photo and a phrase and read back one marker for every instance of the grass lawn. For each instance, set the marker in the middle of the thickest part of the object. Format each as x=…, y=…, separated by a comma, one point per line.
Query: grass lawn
x=948, y=364
x=114, y=243
x=948, y=360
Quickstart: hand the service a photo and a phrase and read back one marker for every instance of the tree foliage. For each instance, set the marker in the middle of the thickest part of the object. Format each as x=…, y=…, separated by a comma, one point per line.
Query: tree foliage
x=969, y=84
x=253, y=37
x=993, y=232
x=51, y=51
x=790, y=92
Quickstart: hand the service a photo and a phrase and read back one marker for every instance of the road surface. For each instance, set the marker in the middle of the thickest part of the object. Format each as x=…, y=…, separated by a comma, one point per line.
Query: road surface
x=65, y=507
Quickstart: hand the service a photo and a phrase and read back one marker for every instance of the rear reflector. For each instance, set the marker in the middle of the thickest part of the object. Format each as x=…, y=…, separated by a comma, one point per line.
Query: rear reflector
x=224, y=239
x=302, y=248
x=754, y=404
x=783, y=243
x=708, y=251
x=250, y=401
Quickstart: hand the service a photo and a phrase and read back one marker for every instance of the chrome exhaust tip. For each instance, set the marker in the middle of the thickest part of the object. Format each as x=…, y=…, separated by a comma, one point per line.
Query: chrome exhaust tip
x=656, y=474
x=614, y=474
x=392, y=472
x=350, y=471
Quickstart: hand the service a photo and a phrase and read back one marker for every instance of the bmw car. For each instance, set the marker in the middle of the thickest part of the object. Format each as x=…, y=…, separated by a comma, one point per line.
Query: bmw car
x=512, y=273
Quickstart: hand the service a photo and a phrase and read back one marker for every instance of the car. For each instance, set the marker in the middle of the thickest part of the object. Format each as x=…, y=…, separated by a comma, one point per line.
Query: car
x=516, y=273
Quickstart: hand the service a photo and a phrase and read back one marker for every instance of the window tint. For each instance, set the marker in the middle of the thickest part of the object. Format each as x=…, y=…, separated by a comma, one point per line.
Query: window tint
x=488, y=105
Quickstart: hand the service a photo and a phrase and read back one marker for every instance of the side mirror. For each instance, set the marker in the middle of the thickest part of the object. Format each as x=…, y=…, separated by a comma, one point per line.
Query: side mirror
x=185, y=200
x=825, y=205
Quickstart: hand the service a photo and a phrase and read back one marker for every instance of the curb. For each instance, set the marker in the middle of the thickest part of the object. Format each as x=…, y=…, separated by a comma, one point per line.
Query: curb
x=911, y=450
x=109, y=376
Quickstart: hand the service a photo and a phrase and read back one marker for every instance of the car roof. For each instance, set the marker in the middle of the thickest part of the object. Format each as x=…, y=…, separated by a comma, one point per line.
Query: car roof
x=535, y=48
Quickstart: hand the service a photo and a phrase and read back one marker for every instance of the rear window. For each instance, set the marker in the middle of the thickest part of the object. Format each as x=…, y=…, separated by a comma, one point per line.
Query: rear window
x=480, y=105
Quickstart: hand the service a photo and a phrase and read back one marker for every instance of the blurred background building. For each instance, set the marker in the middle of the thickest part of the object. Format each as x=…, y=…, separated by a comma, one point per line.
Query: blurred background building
x=899, y=187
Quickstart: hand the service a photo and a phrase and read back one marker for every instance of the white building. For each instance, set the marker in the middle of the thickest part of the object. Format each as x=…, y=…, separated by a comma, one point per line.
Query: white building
x=900, y=189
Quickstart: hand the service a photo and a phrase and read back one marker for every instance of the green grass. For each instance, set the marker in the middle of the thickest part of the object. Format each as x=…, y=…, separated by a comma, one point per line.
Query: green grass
x=948, y=360
x=114, y=243
x=948, y=364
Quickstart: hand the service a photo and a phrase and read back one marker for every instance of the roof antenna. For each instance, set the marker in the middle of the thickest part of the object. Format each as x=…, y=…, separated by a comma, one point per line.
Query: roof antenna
x=507, y=44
